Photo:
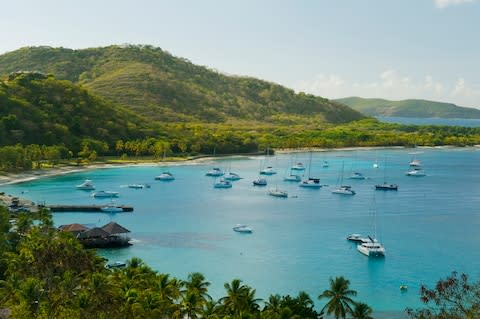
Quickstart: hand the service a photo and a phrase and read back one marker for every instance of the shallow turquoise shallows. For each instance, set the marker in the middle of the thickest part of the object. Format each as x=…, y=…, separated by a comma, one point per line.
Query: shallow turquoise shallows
x=429, y=227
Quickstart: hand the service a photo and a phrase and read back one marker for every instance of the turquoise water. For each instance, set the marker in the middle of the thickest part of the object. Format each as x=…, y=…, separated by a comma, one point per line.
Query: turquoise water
x=429, y=227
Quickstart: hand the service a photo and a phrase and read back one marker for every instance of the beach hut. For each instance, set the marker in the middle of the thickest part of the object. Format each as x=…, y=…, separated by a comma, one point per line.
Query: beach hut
x=75, y=229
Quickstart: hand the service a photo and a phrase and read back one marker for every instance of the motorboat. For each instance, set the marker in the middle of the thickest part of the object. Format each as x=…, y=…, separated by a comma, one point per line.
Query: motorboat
x=216, y=171
x=386, y=187
x=298, y=167
x=357, y=175
x=311, y=183
x=105, y=194
x=269, y=170
x=87, y=185
x=344, y=190
x=165, y=176
x=111, y=208
x=357, y=238
x=292, y=178
x=242, y=229
x=261, y=181
x=138, y=186
x=277, y=193
x=222, y=184
x=372, y=248
x=415, y=172
x=232, y=177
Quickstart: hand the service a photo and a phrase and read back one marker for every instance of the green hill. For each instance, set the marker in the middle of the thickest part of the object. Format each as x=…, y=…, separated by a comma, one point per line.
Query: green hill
x=409, y=108
x=158, y=85
x=38, y=109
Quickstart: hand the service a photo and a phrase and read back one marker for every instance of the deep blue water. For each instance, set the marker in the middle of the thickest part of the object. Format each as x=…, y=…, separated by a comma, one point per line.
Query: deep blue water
x=430, y=121
x=429, y=227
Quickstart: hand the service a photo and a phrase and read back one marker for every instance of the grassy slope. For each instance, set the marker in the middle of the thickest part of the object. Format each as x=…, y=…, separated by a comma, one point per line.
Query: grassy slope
x=158, y=85
x=409, y=108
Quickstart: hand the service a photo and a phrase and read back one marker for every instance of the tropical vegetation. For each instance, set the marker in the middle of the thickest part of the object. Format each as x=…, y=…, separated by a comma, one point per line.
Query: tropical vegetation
x=46, y=273
x=409, y=108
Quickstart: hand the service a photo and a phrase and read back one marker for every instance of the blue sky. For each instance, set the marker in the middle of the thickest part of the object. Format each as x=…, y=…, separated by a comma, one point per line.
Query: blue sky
x=393, y=49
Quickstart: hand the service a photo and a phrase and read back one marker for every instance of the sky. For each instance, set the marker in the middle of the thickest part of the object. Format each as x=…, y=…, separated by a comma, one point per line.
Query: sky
x=393, y=49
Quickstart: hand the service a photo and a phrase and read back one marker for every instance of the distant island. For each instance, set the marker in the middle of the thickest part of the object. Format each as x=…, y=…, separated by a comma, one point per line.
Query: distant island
x=410, y=108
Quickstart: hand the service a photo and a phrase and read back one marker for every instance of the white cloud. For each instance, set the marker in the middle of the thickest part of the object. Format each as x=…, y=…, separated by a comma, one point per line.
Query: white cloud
x=446, y=3
x=393, y=85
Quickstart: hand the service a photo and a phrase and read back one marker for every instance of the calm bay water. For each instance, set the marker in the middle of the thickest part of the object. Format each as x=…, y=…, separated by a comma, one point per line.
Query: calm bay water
x=429, y=227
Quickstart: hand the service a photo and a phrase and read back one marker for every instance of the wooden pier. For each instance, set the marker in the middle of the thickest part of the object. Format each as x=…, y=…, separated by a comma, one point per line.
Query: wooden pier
x=83, y=208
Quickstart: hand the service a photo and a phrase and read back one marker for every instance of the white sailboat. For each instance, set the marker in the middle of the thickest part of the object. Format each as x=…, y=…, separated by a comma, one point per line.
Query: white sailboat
x=343, y=189
x=386, y=186
x=372, y=247
x=165, y=175
x=310, y=182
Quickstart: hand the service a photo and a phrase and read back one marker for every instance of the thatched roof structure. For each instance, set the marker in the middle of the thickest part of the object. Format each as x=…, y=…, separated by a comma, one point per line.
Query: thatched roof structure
x=113, y=228
x=95, y=232
x=73, y=228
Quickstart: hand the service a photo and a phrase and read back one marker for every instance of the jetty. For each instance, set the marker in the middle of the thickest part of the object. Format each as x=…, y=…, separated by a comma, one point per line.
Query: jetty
x=83, y=208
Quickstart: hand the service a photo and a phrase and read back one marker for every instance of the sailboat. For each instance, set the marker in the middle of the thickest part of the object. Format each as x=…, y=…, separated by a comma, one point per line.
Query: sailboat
x=165, y=175
x=415, y=169
x=343, y=189
x=310, y=182
x=269, y=170
x=372, y=247
x=231, y=176
x=215, y=171
x=260, y=181
x=357, y=175
x=386, y=186
x=293, y=176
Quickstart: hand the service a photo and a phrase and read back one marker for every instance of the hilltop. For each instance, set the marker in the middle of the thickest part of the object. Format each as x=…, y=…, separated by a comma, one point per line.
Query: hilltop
x=409, y=108
x=158, y=85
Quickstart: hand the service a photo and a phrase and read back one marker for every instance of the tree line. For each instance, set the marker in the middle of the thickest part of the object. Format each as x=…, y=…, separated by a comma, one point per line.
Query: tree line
x=45, y=273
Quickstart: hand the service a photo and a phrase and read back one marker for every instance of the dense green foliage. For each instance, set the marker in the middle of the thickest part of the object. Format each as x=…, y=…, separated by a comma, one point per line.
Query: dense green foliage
x=38, y=109
x=159, y=85
x=409, y=108
x=47, y=274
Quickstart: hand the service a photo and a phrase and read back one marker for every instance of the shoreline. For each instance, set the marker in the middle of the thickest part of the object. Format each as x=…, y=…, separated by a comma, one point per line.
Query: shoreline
x=22, y=177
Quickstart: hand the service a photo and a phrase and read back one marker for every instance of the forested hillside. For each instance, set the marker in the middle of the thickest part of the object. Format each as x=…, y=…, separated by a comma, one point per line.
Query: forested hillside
x=159, y=85
x=38, y=109
x=409, y=108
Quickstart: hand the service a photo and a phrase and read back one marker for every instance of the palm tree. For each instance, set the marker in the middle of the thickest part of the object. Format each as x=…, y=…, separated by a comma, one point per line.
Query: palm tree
x=362, y=311
x=196, y=283
x=339, y=294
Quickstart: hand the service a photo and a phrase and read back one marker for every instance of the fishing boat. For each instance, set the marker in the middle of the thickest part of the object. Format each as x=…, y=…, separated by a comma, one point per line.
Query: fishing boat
x=105, y=194
x=87, y=185
x=240, y=228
